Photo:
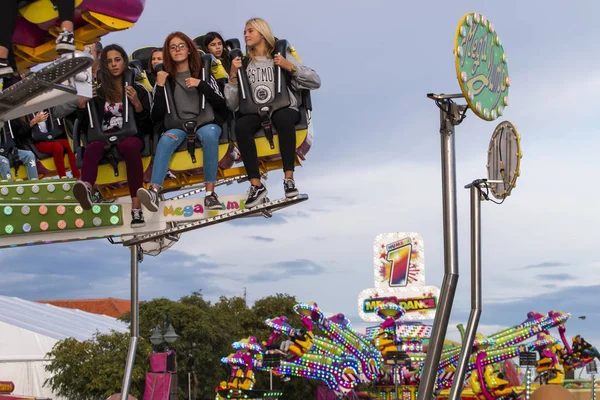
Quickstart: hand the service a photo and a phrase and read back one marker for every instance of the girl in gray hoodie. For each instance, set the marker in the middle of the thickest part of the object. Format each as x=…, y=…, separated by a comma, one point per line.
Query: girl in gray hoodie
x=260, y=71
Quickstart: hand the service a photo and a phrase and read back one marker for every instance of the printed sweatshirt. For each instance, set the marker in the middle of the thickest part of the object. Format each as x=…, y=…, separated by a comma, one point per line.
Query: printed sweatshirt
x=261, y=76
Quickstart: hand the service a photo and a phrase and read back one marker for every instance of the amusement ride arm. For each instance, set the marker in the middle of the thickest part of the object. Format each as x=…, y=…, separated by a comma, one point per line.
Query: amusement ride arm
x=561, y=331
x=478, y=364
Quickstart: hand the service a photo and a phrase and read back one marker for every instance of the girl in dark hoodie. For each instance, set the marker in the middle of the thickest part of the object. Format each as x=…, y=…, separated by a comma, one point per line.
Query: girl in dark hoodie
x=109, y=104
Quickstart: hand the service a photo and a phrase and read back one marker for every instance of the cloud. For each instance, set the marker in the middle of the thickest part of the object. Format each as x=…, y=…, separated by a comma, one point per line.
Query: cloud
x=262, y=239
x=557, y=277
x=547, y=264
x=96, y=269
x=577, y=300
x=287, y=269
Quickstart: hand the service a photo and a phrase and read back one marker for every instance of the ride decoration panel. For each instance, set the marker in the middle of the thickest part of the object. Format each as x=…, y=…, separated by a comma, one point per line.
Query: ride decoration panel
x=19, y=219
x=481, y=66
x=38, y=191
x=504, y=159
x=399, y=278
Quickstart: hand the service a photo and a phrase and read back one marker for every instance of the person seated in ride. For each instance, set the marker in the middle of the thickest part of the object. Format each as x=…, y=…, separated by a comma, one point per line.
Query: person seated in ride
x=580, y=346
x=260, y=71
x=49, y=138
x=65, y=42
x=284, y=347
x=10, y=155
x=214, y=44
x=156, y=57
x=109, y=102
x=565, y=358
x=183, y=78
x=302, y=342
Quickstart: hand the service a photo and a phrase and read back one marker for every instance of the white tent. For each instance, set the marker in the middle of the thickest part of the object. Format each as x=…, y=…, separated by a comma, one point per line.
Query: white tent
x=29, y=330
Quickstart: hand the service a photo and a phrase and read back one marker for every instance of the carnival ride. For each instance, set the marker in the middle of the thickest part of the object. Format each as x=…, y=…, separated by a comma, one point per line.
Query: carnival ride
x=391, y=357
x=482, y=74
x=45, y=211
x=38, y=26
x=411, y=355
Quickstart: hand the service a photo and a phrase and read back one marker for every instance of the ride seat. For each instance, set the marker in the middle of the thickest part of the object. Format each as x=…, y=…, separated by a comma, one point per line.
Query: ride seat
x=38, y=155
x=198, y=41
x=233, y=43
x=67, y=131
x=224, y=139
x=143, y=55
x=302, y=124
x=303, y=143
x=79, y=149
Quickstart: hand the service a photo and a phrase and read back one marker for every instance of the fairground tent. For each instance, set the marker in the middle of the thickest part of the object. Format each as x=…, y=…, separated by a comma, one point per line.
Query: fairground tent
x=29, y=330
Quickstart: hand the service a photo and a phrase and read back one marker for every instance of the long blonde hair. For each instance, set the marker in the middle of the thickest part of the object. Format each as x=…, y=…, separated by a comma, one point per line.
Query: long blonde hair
x=262, y=27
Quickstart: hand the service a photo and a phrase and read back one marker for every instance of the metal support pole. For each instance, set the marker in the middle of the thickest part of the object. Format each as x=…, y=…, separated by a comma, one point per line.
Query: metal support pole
x=528, y=383
x=271, y=379
x=396, y=381
x=469, y=337
x=448, y=118
x=593, y=386
x=135, y=323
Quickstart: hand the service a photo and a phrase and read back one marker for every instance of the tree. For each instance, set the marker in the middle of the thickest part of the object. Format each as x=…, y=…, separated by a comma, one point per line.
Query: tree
x=93, y=369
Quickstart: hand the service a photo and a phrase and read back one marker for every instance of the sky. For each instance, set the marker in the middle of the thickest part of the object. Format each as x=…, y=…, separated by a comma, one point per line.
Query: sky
x=375, y=167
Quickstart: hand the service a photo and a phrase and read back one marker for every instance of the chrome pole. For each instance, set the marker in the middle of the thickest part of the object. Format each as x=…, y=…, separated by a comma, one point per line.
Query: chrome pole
x=449, y=117
x=469, y=337
x=135, y=324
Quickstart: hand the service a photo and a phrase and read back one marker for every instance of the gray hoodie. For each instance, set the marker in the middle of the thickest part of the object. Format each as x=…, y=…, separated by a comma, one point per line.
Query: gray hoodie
x=261, y=76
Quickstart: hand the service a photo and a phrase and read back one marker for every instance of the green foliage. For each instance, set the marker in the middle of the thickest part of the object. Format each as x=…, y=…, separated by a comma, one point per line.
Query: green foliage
x=94, y=369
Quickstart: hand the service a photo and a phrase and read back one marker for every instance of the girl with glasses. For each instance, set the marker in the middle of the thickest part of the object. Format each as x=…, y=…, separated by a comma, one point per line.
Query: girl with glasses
x=191, y=99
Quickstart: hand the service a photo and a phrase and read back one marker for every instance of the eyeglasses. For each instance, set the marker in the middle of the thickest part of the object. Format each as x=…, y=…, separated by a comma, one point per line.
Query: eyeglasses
x=180, y=46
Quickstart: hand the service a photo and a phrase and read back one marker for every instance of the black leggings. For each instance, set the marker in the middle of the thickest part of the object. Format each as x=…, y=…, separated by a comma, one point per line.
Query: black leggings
x=284, y=121
x=10, y=9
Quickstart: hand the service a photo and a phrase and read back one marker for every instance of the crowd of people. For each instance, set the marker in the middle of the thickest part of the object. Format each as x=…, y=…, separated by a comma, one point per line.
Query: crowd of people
x=182, y=92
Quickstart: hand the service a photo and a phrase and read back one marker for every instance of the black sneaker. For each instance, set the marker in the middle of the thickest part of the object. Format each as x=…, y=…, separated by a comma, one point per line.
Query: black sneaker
x=137, y=218
x=83, y=194
x=289, y=186
x=211, y=202
x=65, y=42
x=256, y=196
x=5, y=68
x=148, y=198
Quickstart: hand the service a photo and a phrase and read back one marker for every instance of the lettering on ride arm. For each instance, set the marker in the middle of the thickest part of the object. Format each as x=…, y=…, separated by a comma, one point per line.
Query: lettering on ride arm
x=190, y=210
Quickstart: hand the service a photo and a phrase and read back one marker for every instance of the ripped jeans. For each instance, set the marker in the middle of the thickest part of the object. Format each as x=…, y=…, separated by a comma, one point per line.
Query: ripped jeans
x=28, y=160
x=209, y=136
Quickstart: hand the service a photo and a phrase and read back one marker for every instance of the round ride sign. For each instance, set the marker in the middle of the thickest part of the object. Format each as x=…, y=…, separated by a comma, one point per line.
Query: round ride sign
x=481, y=66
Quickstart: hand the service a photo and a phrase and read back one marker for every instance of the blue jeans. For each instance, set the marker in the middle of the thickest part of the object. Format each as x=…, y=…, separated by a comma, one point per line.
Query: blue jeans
x=593, y=352
x=28, y=160
x=209, y=136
